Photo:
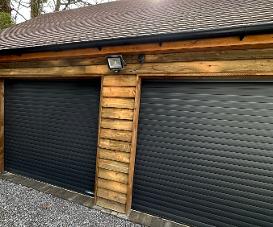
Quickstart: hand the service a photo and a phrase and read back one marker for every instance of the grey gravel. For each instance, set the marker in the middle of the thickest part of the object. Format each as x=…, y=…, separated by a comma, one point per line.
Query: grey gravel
x=21, y=206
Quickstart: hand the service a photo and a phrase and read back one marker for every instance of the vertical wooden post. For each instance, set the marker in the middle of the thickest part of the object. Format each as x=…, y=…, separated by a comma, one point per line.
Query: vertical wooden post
x=1, y=126
x=133, y=146
x=117, y=142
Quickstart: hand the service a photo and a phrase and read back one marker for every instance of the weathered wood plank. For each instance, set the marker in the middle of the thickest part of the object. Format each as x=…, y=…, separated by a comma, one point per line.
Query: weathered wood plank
x=115, y=113
x=120, y=81
x=128, y=80
x=118, y=102
x=111, y=205
x=119, y=92
x=125, y=136
x=214, y=55
x=116, y=124
x=114, y=165
x=112, y=185
x=115, y=145
x=250, y=41
x=111, y=195
x=242, y=66
x=258, y=67
x=114, y=155
x=133, y=147
x=113, y=176
x=1, y=126
x=55, y=63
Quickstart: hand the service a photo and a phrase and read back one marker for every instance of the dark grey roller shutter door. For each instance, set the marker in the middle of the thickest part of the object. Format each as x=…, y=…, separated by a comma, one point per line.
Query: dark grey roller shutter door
x=205, y=153
x=51, y=131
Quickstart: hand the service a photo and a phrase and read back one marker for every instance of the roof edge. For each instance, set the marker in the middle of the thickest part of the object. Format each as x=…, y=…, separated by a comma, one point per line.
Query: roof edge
x=217, y=33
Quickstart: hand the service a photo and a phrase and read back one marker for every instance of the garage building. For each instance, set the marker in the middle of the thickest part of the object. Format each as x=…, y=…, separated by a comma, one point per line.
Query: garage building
x=158, y=109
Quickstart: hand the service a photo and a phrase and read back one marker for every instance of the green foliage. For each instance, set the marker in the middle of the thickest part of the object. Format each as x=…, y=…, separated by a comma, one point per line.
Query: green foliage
x=5, y=20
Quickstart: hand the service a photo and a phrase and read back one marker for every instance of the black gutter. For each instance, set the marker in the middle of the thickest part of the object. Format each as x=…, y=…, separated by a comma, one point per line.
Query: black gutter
x=224, y=32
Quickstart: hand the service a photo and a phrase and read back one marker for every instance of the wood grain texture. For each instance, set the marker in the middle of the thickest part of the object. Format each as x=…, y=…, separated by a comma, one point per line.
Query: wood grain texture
x=119, y=92
x=113, y=176
x=115, y=145
x=128, y=80
x=247, y=67
x=118, y=103
x=112, y=185
x=120, y=135
x=114, y=165
x=112, y=205
x=117, y=124
x=249, y=41
x=114, y=155
x=116, y=113
x=1, y=126
x=120, y=81
x=112, y=195
x=133, y=146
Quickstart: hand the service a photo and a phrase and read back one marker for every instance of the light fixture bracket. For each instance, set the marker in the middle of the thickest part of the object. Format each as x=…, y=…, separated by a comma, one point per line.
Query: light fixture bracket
x=115, y=63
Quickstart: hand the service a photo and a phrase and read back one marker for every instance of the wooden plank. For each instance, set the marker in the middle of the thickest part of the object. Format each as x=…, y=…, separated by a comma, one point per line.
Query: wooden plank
x=111, y=195
x=125, y=136
x=112, y=185
x=116, y=124
x=128, y=80
x=120, y=81
x=55, y=63
x=112, y=176
x=1, y=126
x=251, y=41
x=114, y=165
x=118, y=103
x=115, y=113
x=259, y=66
x=105, y=203
x=51, y=71
x=242, y=66
x=133, y=147
x=114, y=155
x=210, y=55
x=114, y=145
x=119, y=92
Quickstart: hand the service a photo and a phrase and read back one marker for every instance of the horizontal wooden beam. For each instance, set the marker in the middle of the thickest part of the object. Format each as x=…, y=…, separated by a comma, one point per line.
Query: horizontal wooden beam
x=247, y=67
x=251, y=41
x=127, y=80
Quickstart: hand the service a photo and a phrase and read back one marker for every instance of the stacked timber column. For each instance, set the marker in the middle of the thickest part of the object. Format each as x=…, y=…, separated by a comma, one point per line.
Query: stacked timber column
x=117, y=142
x=1, y=126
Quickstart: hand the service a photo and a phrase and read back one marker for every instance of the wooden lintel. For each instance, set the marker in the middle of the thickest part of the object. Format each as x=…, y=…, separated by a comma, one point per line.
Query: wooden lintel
x=251, y=41
x=244, y=67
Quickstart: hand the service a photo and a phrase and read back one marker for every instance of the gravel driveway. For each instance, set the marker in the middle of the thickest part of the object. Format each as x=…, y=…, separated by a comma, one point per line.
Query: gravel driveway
x=21, y=206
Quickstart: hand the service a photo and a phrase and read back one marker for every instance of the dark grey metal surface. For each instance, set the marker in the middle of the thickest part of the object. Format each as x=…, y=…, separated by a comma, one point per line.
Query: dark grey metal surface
x=205, y=153
x=51, y=131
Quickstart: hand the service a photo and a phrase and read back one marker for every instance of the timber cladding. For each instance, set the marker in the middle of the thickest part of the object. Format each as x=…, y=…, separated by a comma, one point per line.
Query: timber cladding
x=116, y=142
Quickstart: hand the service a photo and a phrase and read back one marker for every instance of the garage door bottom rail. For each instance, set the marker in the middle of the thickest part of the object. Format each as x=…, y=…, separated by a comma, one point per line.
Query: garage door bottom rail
x=59, y=192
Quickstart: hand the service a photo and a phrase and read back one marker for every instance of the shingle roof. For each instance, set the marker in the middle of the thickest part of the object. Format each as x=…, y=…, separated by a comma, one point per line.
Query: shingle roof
x=136, y=19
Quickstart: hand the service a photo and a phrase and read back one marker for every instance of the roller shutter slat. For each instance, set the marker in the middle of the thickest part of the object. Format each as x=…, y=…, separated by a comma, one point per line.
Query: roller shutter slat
x=51, y=131
x=205, y=153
